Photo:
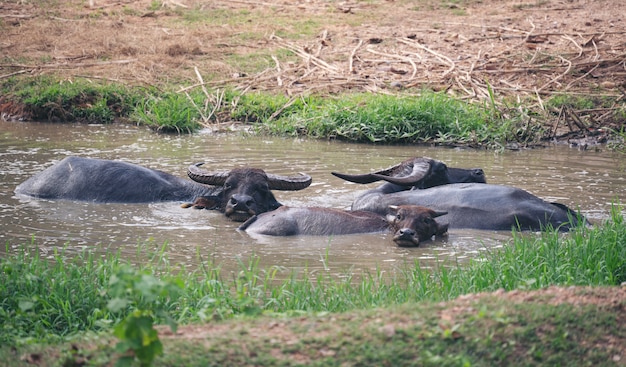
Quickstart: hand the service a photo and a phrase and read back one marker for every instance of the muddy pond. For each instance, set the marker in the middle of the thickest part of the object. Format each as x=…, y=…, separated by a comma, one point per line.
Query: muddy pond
x=587, y=180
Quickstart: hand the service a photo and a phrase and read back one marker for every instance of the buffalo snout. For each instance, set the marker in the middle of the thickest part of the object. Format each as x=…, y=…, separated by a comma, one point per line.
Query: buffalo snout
x=406, y=237
x=240, y=207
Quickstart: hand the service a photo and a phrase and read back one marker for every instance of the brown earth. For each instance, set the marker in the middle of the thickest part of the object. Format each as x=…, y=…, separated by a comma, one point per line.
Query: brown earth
x=522, y=51
x=580, y=296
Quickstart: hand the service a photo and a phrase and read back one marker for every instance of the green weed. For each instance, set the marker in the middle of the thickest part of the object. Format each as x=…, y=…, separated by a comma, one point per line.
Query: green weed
x=144, y=294
x=578, y=102
x=433, y=118
x=428, y=118
x=77, y=100
x=169, y=112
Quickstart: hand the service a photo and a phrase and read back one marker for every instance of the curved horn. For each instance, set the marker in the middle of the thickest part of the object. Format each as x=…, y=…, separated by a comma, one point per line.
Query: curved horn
x=360, y=179
x=210, y=178
x=414, y=170
x=288, y=183
x=438, y=213
x=407, y=173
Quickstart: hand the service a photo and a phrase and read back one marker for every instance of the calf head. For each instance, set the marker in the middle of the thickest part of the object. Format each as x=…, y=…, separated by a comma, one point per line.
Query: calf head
x=245, y=192
x=413, y=224
x=419, y=172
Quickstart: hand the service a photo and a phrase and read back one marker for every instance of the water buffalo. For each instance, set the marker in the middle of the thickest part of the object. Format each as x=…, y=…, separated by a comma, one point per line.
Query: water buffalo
x=415, y=173
x=245, y=191
x=478, y=206
x=411, y=224
x=239, y=193
x=418, y=173
x=463, y=193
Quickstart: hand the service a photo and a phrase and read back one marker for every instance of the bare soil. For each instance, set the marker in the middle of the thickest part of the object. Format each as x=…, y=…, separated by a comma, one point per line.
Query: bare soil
x=580, y=296
x=292, y=331
x=518, y=50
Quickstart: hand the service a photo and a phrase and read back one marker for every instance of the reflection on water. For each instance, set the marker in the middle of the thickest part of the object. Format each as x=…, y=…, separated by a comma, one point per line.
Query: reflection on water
x=590, y=181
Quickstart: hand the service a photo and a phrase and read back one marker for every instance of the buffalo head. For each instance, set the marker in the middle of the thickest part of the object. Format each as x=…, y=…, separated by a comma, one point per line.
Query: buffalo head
x=245, y=192
x=413, y=224
x=420, y=173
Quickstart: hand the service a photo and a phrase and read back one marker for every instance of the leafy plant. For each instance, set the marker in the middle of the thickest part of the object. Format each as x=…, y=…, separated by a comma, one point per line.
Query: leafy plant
x=148, y=296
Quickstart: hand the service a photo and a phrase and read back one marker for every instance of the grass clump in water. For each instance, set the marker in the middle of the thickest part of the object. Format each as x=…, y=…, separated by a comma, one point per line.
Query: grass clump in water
x=75, y=101
x=267, y=108
x=168, y=112
x=432, y=118
x=428, y=118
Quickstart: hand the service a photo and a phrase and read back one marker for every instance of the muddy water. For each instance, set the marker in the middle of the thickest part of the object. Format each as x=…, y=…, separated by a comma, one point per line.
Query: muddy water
x=590, y=181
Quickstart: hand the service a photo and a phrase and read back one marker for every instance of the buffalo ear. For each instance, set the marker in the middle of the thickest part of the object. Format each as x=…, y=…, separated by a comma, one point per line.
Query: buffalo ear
x=442, y=229
x=275, y=205
x=391, y=213
x=204, y=202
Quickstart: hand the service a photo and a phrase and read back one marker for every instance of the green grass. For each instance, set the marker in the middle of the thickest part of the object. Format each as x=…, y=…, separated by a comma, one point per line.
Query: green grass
x=579, y=102
x=73, y=101
x=426, y=117
x=47, y=300
x=62, y=309
x=283, y=25
x=169, y=112
x=489, y=331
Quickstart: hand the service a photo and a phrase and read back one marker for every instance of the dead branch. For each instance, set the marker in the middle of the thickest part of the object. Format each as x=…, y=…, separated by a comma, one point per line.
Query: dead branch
x=305, y=55
x=280, y=110
x=279, y=80
x=581, y=77
x=321, y=43
x=580, y=49
x=14, y=73
x=531, y=30
x=446, y=60
x=539, y=100
x=68, y=65
x=569, y=67
x=351, y=58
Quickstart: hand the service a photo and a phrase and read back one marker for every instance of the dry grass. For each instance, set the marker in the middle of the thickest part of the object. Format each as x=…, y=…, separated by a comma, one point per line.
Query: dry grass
x=514, y=50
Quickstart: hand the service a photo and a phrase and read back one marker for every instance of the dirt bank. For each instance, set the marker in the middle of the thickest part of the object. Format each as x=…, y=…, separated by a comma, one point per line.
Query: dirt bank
x=517, y=51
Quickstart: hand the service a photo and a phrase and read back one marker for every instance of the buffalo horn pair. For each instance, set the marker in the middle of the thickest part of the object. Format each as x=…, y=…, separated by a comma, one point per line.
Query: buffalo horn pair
x=275, y=182
x=407, y=173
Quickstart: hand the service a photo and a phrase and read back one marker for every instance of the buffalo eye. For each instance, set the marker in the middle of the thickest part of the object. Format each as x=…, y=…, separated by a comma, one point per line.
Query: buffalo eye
x=399, y=216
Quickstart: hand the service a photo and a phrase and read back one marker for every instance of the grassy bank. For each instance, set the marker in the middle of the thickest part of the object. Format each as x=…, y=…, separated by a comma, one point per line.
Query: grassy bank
x=488, y=330
x=50, y=301
x=321, y=69
x=417, y=116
